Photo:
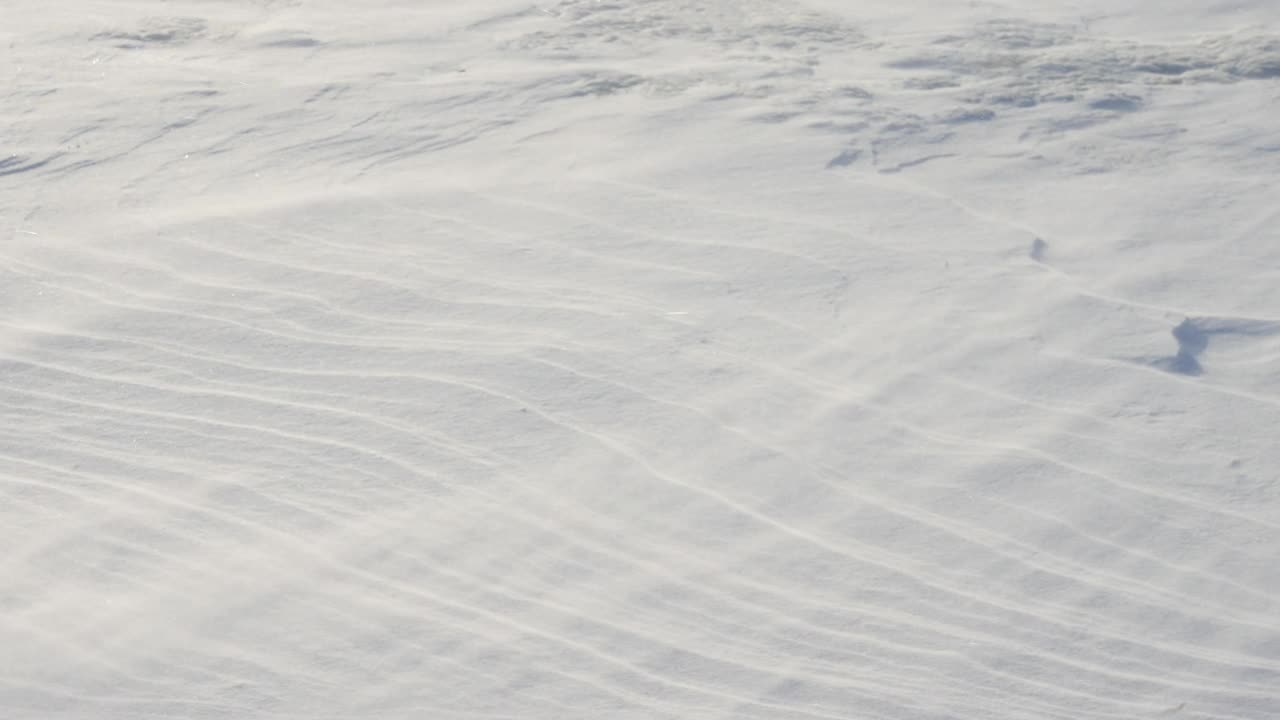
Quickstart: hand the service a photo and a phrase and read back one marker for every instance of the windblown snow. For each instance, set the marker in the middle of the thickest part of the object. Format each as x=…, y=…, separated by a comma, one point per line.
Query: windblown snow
x=794, y=359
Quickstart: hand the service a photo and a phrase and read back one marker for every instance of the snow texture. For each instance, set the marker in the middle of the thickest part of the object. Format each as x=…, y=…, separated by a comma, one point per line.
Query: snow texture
x=702, y=360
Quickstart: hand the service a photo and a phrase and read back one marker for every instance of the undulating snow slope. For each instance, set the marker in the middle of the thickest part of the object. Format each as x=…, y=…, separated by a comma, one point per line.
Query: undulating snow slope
x=796, y=359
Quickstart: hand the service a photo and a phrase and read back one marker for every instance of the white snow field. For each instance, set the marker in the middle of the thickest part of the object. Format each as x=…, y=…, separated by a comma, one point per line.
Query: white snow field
x=596, y=359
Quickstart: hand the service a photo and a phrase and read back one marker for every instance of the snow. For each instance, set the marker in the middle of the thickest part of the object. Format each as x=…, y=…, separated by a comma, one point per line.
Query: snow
x=640, y=359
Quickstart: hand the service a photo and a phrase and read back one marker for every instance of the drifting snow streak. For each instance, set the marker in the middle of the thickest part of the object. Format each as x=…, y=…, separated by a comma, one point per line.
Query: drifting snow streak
x=635, y=360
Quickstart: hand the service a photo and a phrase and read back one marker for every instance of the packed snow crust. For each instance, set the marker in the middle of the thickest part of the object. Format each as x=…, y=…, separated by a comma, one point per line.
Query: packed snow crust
x=786, y=359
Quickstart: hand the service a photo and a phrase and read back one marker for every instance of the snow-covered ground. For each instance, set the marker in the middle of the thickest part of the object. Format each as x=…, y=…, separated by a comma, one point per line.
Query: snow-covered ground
x=689, y=359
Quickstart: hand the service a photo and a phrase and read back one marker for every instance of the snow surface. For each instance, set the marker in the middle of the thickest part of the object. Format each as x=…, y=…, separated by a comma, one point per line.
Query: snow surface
x=809, y=359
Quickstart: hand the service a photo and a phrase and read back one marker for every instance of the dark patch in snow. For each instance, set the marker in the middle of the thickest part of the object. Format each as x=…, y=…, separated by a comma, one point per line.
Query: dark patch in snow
x=1166, y=67
x=964, y=115
x=157, y=31
x=1194, y=334
x=932, y=82
x=1117, y=103
x=912, y=163
x=291, y=42
x=17, y=164
x=774, y=118
x=844, y=159
x=1192, y=341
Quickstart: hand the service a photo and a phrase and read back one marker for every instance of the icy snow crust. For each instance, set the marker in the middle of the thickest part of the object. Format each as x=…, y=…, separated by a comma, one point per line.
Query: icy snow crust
x=640, y=359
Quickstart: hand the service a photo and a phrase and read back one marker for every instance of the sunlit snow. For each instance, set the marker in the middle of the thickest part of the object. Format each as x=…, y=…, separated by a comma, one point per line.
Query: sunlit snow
x=701, y=360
